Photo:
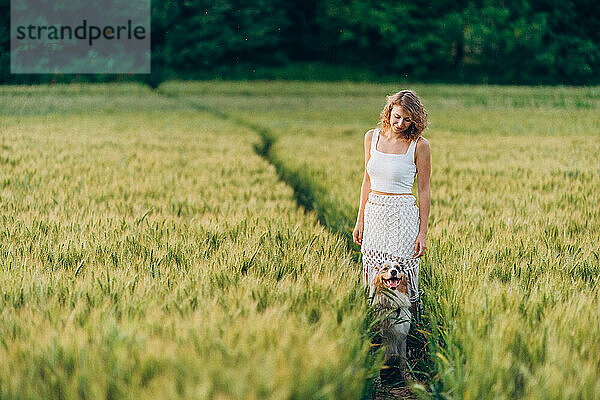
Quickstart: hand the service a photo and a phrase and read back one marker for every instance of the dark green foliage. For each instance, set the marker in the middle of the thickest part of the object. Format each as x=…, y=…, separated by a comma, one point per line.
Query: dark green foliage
x=498, y=41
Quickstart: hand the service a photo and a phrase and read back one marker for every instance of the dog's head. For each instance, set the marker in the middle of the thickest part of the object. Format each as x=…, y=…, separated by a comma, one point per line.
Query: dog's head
x=390, y=276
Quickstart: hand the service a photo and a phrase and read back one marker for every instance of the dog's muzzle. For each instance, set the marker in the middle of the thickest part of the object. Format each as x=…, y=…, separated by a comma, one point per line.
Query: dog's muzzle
x=393, y=282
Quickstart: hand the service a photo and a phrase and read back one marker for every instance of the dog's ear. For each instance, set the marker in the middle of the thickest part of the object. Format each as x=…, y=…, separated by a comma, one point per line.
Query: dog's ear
x=403, y=285
x=377, y=282
x=374, y=272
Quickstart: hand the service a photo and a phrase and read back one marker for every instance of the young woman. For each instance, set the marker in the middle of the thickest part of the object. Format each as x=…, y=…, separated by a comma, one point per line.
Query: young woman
x=390, y=226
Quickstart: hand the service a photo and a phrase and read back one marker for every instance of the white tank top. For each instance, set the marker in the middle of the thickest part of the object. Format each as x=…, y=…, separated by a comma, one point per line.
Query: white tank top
x=391, y=172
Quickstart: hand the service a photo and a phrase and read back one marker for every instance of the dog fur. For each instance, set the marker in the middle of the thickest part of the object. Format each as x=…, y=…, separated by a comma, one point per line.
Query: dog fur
x=388, y=292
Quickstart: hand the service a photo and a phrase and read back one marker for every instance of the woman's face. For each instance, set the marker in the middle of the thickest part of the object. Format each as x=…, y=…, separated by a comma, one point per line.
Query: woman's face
x=399, y=119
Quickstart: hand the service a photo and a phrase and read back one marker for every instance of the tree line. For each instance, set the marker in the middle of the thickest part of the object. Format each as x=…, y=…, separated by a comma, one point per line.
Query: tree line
x=474, y=41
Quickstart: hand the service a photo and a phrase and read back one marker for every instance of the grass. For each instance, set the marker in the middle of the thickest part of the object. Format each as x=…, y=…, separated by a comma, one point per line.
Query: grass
x=148, y=251
x=511, y=274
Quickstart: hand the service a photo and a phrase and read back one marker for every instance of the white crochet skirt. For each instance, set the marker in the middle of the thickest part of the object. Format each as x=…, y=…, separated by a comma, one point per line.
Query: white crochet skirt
x=391, y=226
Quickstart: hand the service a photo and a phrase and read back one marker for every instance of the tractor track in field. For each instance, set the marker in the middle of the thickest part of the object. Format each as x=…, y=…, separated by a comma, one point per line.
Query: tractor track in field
x=305, y=197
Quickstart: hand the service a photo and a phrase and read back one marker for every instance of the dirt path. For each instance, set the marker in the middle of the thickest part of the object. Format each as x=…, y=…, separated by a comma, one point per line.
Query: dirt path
x=384, y=391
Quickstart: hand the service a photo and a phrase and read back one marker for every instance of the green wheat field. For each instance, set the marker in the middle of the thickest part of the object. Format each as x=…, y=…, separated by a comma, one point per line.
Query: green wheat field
x=194, y=242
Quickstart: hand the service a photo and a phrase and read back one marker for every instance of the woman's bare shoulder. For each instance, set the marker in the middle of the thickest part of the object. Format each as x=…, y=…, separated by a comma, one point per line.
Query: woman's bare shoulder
x=369, y=136
x=422, y=142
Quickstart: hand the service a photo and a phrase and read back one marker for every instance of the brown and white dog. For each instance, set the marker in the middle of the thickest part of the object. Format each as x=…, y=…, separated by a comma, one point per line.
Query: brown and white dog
x=389, y=295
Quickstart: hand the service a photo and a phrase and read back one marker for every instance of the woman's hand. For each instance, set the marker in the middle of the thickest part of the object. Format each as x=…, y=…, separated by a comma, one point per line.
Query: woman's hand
x=358, y=232
x=420, y=245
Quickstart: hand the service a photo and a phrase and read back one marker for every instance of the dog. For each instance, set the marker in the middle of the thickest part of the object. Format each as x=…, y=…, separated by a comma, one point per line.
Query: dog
x=388, y=293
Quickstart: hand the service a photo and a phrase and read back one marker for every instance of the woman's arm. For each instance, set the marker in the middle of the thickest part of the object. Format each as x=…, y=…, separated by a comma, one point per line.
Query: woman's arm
x=364, y=193
x=366, y=183
x=423, y=163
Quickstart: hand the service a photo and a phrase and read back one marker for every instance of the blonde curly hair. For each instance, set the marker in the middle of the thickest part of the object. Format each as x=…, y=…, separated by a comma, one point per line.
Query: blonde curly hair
x=410, y=103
